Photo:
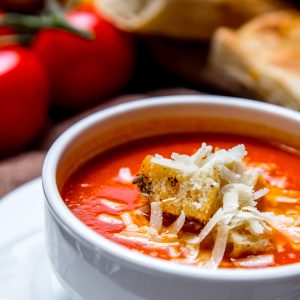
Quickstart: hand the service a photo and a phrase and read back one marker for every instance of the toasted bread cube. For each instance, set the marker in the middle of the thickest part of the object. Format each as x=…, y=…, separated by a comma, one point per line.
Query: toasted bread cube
x=196, y=195
x=245, y=244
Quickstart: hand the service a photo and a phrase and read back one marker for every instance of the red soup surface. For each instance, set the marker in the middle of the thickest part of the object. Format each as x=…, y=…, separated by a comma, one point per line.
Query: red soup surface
x=95, y=195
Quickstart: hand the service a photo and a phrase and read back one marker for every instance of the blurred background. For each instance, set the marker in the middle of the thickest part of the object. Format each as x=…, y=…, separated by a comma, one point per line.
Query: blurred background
x=60, y=60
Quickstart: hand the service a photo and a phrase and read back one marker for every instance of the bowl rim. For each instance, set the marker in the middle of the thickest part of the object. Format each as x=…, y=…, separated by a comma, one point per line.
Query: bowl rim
x=124, y=255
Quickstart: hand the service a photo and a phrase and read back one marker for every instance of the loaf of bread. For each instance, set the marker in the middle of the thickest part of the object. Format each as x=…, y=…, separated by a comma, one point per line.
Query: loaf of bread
x=263, y=56
x=185, y=19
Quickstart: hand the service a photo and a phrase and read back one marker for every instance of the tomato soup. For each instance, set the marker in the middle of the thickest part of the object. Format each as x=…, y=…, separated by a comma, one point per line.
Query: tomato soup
x=107, y=204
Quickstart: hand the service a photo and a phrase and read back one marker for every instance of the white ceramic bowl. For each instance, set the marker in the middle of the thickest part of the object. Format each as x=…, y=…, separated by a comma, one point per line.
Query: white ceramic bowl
x=92, y=267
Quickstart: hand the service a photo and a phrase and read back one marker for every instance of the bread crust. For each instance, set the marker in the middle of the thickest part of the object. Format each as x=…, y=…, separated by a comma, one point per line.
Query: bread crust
x=263, y=56
x=173, y=189
x=185, y=19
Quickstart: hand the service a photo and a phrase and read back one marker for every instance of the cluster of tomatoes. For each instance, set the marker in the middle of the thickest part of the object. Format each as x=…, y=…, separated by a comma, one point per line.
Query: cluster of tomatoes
x=58, y=67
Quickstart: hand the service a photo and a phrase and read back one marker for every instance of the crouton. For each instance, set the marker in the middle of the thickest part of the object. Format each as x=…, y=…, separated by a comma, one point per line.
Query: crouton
x=194, y=194
x=244, y=243
x=196, y=184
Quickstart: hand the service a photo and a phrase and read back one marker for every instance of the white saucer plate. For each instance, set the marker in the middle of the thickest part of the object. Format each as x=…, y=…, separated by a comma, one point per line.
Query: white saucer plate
x=25, y=271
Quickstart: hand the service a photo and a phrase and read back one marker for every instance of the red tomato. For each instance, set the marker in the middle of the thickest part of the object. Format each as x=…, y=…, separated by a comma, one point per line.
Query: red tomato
x=84, y=71
x=23, y=97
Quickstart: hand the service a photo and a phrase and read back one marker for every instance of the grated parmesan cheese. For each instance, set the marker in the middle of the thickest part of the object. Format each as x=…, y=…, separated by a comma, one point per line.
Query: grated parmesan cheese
x=124, y=176
x=127, y=219
x=237, y=192
x=177, y=225
x=156, y=216
x=235, y=218
x=259, y=261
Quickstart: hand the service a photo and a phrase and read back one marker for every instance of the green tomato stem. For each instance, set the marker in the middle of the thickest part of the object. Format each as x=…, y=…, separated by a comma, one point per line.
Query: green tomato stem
x=33, y=24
